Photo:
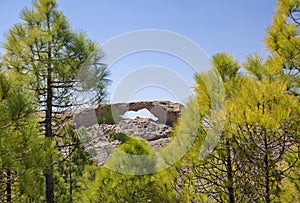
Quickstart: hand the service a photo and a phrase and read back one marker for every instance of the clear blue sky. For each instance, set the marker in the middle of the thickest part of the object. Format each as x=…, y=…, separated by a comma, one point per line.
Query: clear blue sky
x=233, y=26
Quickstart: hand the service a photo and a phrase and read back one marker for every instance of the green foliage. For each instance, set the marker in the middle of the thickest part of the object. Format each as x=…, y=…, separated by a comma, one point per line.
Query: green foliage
x=226, y=65
x=257, y=144
x=44, y=43
x=112, y=186
x=102, y=184
x=283, y=41
x=119, y=136
x=135, y=145
x=59, y=67
x=195, y=171
x=264, y=131
x=239, y=136
x=69, y=171
x=22, y=157
x=132, y=157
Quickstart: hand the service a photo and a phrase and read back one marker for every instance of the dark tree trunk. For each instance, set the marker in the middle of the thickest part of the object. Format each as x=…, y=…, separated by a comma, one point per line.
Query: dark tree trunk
x=8, y=186
x=229, y=174
x=49, y=170
x=71, y=186
x=49, y=187
x=48, y=132
x=267, y=172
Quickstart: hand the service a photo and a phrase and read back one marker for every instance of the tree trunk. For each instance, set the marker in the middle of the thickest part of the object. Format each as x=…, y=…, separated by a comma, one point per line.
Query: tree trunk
x=267, y=172
x=49, y=187
x=8, y=186
x=229, y=174
x=71, y=186
x=49, y=170
x=48, y=132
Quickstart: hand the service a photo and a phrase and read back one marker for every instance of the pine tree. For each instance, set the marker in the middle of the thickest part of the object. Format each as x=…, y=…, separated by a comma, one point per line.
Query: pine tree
x=21, y=147
x=283, y=42
x=46, y=50
x=221, y=163
x=264, y=125
x=257, y=143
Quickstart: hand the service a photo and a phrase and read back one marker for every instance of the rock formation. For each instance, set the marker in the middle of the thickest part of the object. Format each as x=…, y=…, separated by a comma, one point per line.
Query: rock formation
x=144, y=128
x=166, y=112
x=96, y=138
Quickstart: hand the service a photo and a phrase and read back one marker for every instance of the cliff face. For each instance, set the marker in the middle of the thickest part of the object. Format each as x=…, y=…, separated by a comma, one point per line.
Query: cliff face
x=97, y=140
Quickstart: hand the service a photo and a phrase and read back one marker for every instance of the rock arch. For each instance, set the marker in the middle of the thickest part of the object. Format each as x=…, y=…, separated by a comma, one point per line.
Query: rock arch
x=167, y=112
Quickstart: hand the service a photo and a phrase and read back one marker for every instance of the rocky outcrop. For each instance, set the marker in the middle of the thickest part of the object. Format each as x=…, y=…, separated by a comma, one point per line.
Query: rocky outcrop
x=96, y=138
x=144, y=128
x=85, y=117
x=97, y=141
x=167, y=112
x=159, y=144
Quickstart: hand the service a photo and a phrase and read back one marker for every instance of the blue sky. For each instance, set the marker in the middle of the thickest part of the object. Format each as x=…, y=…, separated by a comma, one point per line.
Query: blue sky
x=231, y=26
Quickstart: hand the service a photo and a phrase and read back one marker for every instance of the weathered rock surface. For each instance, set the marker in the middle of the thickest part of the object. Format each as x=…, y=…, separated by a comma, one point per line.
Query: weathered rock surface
x=144, y=128
x=157, y=145
x=85, y=117
x=99, y=144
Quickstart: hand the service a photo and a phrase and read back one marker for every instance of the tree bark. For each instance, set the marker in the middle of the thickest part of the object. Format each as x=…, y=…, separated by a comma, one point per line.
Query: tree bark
x=267, y=172
x=71, y=186
x=8, y=186
x=48, y=131
x=229, y=174
x=49, y=187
